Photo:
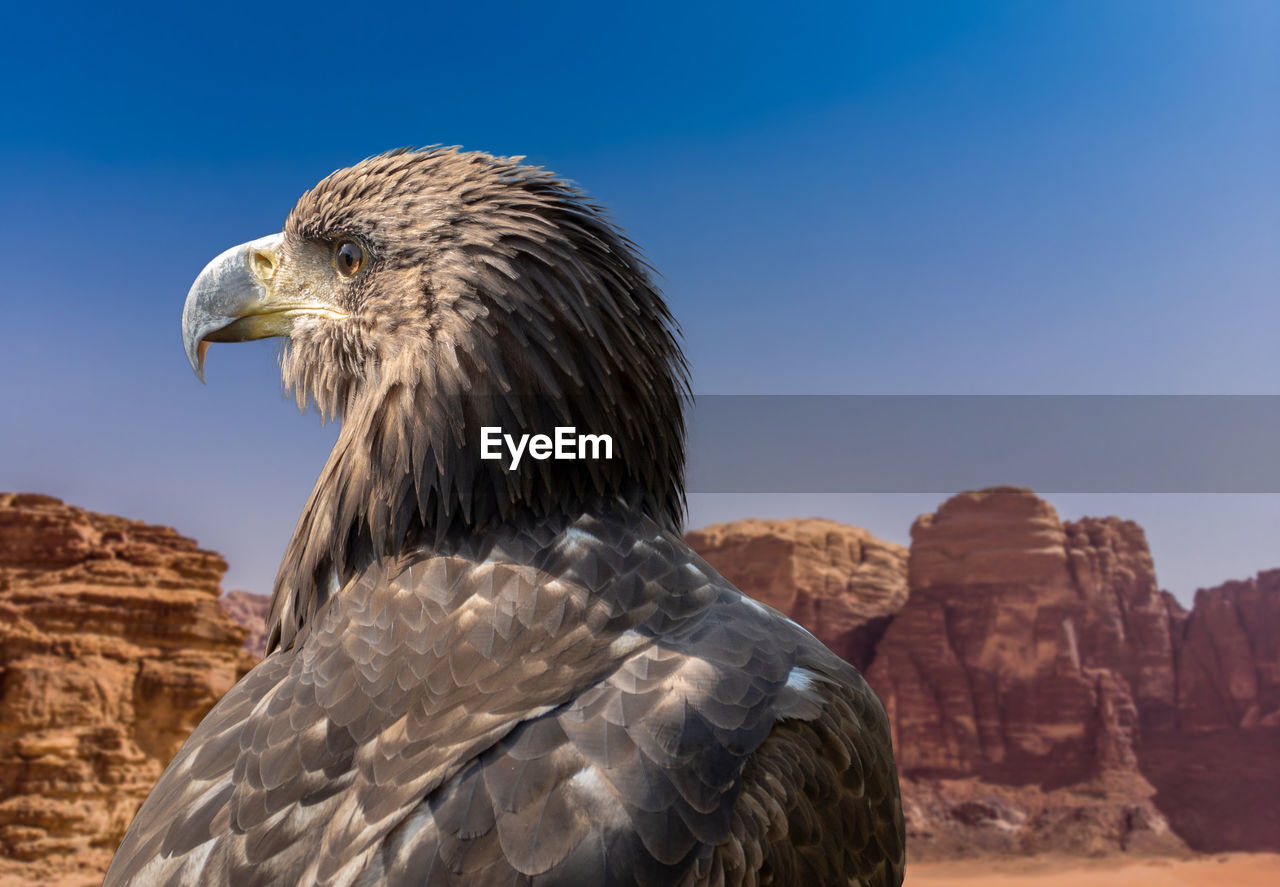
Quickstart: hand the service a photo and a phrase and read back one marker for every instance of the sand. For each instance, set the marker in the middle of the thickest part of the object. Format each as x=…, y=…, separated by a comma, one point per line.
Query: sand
x=1232, y=870
x=1235, y=870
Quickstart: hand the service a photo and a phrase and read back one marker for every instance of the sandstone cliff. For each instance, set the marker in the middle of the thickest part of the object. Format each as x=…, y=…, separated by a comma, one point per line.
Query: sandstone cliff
x=1029, y=649
x=112, y=648
x=1045, y=695
x=1217, y=772
x=840, y=582
x=1018, y=675
x=250, y=612
x=1229, y=662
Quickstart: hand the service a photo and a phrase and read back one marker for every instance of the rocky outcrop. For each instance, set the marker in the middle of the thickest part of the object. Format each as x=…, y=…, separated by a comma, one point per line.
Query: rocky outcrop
x=1217, y=788
x=250, y=612
x=971, y=818
x=1038, y=672
x=840, y=582
x=1030, y=653
x=1229, y=660
x=112, y=648
x=1131, y=627
x=1029, y=648
x=1216, y=772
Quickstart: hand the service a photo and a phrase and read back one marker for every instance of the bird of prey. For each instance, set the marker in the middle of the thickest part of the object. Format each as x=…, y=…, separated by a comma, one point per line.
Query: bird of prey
x=487, y=675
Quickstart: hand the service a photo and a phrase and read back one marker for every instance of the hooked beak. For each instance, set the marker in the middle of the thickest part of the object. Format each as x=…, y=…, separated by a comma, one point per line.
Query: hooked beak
x=235, y=299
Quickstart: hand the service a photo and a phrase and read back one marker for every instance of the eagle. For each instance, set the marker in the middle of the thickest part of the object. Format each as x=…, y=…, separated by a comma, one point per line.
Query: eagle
x=484, y=672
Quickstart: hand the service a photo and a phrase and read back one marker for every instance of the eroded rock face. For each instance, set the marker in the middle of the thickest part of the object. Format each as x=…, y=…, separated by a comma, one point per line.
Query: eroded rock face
x=250, y=612
x=1217, y=788
x=1029, y=653
x=1131, y=627
x=1229, y=662
x=840, y=582
x=1026, y=642
x=969, y=818
x=112, y=648
x=1217, y=772
x=999, y=536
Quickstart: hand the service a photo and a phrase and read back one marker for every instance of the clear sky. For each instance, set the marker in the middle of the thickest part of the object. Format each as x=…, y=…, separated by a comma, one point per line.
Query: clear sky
x=1072, y=197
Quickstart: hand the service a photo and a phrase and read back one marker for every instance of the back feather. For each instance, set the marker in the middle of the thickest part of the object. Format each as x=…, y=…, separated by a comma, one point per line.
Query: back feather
x=576, y=705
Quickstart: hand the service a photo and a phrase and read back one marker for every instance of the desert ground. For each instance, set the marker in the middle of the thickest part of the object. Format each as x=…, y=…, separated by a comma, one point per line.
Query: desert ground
x=1226, y=870
x=1236, y=870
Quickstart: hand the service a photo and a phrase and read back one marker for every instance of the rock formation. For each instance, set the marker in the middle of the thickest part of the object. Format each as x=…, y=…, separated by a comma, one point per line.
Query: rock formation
x=1028, y=656
x=1229, y=661
x=250, y=612
x=112, y=648
x=1037, y=672
x=1029, y=649
x=1217, y=773
x=840, y=582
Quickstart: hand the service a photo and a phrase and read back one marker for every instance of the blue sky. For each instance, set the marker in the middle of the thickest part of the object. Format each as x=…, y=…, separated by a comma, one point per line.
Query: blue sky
x=1074, y=197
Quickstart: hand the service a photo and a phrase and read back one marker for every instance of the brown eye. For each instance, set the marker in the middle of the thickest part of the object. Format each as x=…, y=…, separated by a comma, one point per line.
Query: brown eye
x=349, y=259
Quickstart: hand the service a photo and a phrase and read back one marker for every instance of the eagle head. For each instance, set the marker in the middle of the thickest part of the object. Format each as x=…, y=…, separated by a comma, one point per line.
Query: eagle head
x=425, y=295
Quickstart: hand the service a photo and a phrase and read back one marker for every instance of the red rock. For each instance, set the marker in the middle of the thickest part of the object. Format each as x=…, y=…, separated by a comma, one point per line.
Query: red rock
x=1002, y=535
x=112, y=648
x=840, y=582
x=1025, y=656
x=250, y=612
x=1216, y=773
x=1217, y=788
x=1130, y=625
x=969, y=818
x=1229, y=660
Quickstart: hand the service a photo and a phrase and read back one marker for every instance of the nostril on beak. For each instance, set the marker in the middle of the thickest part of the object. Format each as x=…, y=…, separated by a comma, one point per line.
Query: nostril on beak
x=263, y=263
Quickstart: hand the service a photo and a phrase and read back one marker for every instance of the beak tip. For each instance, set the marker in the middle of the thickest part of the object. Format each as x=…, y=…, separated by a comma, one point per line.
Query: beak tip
x=195, y=357
x=197, y=360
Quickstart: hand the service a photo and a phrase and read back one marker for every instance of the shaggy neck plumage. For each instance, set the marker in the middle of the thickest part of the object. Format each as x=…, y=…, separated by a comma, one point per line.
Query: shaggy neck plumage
x=406, y=475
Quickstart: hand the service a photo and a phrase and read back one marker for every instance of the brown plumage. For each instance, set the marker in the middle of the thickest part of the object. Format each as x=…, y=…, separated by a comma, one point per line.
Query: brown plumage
x=481, y=676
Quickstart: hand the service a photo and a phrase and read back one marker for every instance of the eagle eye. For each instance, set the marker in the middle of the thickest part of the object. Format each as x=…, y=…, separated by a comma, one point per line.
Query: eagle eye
x=348, y=259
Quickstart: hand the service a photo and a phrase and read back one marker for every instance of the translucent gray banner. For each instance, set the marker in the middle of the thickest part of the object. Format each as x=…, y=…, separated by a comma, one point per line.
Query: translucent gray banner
x=948, y=443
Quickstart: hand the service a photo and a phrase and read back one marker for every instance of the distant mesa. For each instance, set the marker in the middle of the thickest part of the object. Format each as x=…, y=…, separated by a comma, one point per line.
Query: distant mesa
x=1045, y=695
x=840, y=582
x=250, y=612
x=1229, y=667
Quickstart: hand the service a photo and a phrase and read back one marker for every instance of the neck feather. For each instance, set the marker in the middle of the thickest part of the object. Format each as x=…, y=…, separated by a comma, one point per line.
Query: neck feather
x=406, y=474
